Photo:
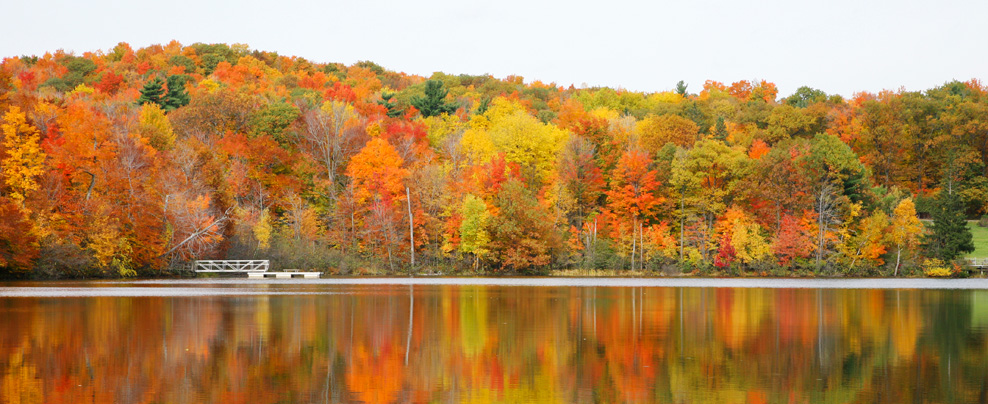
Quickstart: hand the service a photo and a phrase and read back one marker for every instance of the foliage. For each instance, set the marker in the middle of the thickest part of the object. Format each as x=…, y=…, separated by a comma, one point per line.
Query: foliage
x=273, y=120
x=905, y=229
x=176, y=97
x=394, y=111
x=937, y=268
x=521, y=237
x=22, y=159
x=793, y=241
x=18, y=244
x=655, y=131
x=633, y=186
x=155, y=127
x=376, y=172
x=743, y=236
x=473, y=230
x=506, y=128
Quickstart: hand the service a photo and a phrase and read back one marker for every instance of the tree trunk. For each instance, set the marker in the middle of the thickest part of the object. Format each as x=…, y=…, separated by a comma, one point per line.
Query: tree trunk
x=92, y=183
x=195, y=234
x=898, y=257
x=594, y=250
x=353, y=228
x=390, y=261
x=682, y=228
x=641, y=243
x=634, y=238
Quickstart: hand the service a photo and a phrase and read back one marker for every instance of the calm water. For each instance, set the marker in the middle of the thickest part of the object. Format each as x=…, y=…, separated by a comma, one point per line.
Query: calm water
x=542, y=340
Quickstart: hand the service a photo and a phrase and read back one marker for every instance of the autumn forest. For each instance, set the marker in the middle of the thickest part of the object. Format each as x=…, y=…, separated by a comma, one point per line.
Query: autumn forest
x=134, y=162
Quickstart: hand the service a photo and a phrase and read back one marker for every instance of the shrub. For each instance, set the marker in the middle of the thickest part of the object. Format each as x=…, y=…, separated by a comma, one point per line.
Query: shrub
x=937, y=268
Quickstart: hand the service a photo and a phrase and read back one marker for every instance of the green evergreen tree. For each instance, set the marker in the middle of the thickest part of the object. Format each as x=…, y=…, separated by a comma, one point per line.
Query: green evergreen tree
x=692, y=112
x=393, y=110
x=434, y=102
x=949, y=236
x=152, y=92
x=484, y=104
x=681, y=88
x=176, y=96
x=720, y=129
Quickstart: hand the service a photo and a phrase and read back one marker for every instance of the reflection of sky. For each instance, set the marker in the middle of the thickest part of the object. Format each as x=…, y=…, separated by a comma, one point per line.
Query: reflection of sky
x=838, y=46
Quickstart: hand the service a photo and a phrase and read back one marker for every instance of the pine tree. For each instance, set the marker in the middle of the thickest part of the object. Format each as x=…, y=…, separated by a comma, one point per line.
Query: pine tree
x=949, y=236
x=393, y=110
x=720, y=129
x=692, y=112
x=152, y=92
x=434, y=102
x=483, y=106
x=681, y=88
x=176, y=96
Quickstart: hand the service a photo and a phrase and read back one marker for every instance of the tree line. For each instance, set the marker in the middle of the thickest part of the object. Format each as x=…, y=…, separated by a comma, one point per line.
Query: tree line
x=134, y=162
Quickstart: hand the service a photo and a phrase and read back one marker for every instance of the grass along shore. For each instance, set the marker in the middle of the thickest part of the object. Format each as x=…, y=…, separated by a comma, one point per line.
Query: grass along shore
x=980, y=240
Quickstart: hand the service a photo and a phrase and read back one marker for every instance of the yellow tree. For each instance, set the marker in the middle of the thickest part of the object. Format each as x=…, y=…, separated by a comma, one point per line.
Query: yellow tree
x=749, y=244
x=867, y=244
x=906, y=229
x=506, y=128
x=473, y=230
x=23, y=159
x=744, y=235
x=155, y=127
x=655, y=131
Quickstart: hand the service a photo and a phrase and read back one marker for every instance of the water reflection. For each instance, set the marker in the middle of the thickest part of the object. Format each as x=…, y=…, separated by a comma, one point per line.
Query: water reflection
x=445, y=343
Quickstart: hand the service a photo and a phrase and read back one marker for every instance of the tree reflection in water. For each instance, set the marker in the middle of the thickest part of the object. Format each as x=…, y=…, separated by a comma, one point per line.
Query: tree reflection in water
x=429, y=343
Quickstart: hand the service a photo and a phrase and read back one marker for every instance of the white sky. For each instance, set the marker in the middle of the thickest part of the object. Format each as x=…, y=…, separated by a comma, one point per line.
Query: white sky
x=838, y=46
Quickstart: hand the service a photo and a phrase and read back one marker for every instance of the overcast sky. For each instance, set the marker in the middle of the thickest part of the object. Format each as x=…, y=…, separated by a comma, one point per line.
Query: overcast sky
x=838, y=46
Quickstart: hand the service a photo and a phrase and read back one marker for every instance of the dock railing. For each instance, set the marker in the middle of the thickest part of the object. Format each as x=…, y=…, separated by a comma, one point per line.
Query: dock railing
x=978, y=262
x=231, y=266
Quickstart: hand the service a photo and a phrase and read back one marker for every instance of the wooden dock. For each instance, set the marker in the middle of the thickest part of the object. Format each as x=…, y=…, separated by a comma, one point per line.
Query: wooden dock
x=286, y=274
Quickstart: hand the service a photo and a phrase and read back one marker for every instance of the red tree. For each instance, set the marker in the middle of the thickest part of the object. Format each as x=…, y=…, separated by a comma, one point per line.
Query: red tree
x=792, y=241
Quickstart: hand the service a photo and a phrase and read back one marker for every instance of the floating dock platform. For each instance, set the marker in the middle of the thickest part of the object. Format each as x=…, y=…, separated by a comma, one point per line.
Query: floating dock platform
x=283, y=275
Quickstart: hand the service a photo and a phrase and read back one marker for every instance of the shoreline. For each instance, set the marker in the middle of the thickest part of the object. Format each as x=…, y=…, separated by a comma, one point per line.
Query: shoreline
x=66, y=287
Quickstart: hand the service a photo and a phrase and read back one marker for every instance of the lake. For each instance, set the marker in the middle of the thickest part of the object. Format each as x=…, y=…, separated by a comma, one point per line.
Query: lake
x=495, y=340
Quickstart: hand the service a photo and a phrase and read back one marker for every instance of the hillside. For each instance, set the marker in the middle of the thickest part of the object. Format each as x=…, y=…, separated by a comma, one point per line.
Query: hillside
x=134, y=161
